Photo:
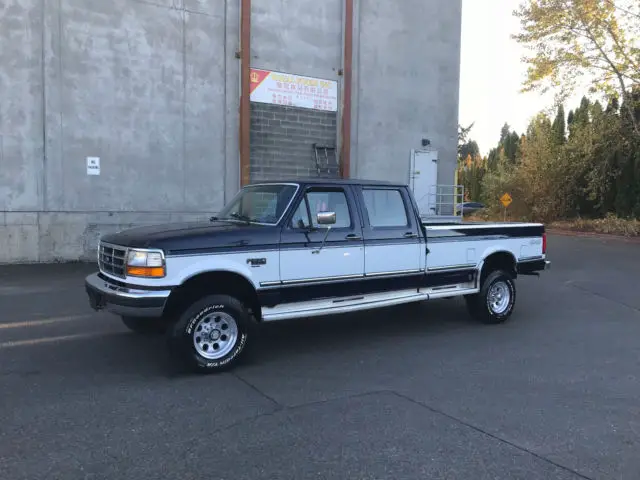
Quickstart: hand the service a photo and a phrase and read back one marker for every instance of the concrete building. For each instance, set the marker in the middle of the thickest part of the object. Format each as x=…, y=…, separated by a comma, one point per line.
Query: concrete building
x=126, y=112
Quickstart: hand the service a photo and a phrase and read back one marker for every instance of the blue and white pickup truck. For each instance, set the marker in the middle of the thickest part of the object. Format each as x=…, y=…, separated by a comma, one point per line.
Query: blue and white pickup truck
x=297, y=249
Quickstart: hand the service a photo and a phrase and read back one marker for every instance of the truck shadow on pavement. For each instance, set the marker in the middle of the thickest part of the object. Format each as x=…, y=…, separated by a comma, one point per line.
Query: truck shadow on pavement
x=118, y=351
x=349, y=331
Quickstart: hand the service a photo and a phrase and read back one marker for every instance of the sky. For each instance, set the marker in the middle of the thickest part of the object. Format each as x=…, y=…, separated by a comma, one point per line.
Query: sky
x=492, y=73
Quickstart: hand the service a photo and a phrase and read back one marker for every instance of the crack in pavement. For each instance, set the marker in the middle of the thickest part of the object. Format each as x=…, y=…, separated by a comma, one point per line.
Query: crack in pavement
x=571, y=283
x=258, y=391
x=287, y=408
x=493, y=436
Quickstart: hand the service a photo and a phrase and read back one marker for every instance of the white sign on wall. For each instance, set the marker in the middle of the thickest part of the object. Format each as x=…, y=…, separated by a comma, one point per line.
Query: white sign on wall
x=93, y=165
x=293, y=90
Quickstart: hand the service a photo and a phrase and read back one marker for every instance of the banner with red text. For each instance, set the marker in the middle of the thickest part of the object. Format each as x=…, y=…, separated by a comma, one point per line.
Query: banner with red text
x=293, y=90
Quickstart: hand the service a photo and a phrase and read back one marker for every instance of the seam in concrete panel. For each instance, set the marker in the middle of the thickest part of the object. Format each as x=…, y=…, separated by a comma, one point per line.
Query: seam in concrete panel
x=194, y=12
x=173, y=7
x=45, y=150
x=355, y=132
x=184, y=108
x=346, y=118
x=152, y=4
x=341, y=83
x=226, y=100
x=60, y=97
x=39, y=229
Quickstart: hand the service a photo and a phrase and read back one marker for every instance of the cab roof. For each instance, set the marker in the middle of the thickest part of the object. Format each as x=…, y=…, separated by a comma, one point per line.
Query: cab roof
x=334, y=181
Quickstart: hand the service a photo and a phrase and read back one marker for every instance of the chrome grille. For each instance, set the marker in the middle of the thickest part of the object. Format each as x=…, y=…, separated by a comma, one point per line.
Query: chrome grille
x=111, y=259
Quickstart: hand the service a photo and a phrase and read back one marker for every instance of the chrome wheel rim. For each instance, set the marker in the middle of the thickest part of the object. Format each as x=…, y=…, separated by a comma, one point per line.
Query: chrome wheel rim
x=499, y=297
x=215, y=335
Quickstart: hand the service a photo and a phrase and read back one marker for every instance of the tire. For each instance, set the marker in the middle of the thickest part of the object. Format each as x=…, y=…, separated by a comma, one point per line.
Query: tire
x=227, y=324
x=145, y=326
x=496, y=300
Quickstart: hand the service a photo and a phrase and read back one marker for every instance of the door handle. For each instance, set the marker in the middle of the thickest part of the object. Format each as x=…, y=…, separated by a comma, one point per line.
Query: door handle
x=410, y=235
x=353, y=236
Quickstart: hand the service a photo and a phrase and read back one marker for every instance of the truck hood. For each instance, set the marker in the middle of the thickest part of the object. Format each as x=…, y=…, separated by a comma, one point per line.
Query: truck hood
x=191, y=236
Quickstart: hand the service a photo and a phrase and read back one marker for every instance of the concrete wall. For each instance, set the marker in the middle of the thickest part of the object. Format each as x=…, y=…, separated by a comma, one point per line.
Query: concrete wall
x=406, y=85
x=21, y=124
x=152, y=88
x=149, y=86
x=302, y=37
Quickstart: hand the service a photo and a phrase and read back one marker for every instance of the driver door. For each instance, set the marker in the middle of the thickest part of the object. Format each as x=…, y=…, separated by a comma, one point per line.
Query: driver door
x=304, y=259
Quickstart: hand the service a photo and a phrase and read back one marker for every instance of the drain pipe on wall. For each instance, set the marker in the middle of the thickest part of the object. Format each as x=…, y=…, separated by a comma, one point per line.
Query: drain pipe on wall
x=245, y=86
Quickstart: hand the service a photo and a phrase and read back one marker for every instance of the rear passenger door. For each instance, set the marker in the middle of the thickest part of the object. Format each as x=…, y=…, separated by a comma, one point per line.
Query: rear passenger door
x=392, y=240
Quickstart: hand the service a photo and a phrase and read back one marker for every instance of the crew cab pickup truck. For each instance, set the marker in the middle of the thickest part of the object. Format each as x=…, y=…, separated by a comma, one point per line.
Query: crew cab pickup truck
x=297, y=249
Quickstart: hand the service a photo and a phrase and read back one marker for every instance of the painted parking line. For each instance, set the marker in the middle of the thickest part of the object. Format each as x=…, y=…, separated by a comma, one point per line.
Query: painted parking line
x=13, y=290
x=62, y=338
x=44, y=321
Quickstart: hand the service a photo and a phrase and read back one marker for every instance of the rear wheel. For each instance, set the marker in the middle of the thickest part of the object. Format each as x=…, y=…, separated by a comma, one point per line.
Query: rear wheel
x=496, y=300
x=211, y=335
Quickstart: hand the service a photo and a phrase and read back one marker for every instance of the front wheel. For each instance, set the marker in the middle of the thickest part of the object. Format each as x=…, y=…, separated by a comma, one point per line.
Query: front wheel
x=211, y=335
x=495, y=301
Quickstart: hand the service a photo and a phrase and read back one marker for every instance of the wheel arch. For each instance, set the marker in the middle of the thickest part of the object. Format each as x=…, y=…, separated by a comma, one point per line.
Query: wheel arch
x=225, y=282
x=498, y=260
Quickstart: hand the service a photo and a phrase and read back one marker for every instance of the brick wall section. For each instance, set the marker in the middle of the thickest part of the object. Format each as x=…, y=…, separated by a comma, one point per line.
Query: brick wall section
x=282, y=139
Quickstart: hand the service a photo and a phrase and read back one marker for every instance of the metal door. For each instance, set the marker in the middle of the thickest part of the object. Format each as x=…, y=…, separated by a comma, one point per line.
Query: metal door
x=423, y=180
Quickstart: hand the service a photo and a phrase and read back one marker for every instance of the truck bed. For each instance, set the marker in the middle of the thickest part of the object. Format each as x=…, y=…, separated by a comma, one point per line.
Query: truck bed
x=432, y=222
x=440, y=219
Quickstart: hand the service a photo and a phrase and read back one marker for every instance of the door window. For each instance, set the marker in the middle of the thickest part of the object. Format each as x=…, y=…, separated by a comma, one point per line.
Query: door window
x=322, y=200
x=385, y=208
x=300, y=217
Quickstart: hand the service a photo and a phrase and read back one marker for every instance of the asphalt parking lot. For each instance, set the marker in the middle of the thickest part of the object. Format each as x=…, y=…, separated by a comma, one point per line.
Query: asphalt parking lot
x=412, y=392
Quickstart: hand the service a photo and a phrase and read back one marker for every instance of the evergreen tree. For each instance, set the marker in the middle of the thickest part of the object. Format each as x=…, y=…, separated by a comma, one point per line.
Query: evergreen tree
x=613, y=105
x=570, y=118
x=469, y=148
x=593, y=171
x=559, y=127
x=504, y=133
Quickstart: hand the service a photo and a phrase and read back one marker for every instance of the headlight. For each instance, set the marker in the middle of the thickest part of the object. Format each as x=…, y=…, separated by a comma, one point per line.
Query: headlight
x=144, y=263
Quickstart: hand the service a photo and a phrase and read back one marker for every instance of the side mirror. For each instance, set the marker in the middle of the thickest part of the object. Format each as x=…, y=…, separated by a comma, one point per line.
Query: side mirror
x=326, y=218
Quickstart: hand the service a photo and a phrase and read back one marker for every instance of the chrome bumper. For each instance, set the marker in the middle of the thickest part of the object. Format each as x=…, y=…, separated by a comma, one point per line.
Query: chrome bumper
x=532, y=267
x=126, y=301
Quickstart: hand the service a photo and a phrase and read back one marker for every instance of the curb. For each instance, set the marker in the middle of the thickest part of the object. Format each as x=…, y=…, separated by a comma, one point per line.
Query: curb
x=594, y=235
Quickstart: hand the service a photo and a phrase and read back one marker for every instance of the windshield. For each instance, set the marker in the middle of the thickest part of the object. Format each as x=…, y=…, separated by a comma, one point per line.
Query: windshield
x=259, y=203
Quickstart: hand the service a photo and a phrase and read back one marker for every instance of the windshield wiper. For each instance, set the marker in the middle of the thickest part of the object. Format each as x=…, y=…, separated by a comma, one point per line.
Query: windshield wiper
x=238, y=216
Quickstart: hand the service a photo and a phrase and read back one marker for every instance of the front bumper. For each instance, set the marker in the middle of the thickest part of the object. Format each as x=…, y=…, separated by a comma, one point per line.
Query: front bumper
x=124, y=300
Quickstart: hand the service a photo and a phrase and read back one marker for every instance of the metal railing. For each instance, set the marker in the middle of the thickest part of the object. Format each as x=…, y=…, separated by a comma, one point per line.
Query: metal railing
x=442, y=201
